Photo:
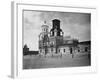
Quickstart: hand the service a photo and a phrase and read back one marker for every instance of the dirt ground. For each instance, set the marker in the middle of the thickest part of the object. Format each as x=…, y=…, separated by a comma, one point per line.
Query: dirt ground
x=36, y=62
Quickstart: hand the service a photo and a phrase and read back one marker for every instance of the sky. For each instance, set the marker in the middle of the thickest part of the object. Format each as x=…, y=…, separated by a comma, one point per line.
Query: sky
x=76, y=25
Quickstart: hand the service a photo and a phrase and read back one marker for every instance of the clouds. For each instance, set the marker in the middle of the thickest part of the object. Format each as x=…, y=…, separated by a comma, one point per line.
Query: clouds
x=76, y=25
x=32, y=20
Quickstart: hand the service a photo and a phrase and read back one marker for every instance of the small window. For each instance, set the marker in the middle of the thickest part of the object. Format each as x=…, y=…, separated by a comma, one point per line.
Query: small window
x=46, y=30
x=53, y=43
x=51, y=49
x=59, y=50
x=64, y=50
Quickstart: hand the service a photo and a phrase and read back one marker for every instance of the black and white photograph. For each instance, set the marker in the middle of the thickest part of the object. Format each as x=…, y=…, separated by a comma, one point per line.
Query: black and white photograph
x=56, y=39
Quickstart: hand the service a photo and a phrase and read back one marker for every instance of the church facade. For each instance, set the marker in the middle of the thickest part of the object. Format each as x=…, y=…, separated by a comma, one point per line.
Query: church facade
x=54, y=42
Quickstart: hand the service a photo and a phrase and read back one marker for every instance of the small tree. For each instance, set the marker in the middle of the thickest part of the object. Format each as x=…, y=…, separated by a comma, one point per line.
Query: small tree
x=25, y=50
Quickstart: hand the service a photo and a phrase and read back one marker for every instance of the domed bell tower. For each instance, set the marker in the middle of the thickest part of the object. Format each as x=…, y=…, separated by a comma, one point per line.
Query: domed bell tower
x=45, y=28
x=44, y=39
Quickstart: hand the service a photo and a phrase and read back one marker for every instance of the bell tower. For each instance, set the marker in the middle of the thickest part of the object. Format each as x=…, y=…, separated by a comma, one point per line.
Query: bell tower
x=45, y=28
x=56, y=34
x=44, y=39
x=56, y=30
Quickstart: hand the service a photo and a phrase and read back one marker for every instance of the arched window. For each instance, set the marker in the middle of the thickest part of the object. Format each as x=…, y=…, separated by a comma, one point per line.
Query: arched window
x=51, y=49
x=44, y=29
x=51, y=33
x=59, y=50
x=64, y=50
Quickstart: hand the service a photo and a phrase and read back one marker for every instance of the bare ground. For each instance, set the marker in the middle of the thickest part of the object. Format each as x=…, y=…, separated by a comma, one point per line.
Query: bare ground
x=36, y=62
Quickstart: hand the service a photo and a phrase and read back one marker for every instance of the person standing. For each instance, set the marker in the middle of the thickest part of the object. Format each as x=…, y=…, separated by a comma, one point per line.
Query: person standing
x=71, y=52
